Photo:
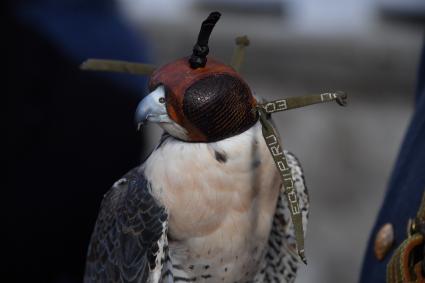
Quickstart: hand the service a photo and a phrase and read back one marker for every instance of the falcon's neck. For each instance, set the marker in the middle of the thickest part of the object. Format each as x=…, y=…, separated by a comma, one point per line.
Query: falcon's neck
x=240, y=153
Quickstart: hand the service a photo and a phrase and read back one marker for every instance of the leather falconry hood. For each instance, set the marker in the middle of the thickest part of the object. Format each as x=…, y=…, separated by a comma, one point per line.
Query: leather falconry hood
x=206, y=97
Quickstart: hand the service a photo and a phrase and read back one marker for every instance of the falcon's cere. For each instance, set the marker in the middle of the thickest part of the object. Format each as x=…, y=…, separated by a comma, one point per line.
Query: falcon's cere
x=207, y=204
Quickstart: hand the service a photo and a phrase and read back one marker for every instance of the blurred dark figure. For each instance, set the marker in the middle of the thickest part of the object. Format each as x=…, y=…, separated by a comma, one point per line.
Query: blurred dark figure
x=405, y=189
x=70, y=134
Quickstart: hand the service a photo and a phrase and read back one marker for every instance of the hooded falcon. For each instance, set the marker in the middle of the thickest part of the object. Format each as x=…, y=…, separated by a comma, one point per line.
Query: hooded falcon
x=207, y=204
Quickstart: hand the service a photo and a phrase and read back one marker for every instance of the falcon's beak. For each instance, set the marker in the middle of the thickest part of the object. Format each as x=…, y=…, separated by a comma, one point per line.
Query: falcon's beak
x=152, y=108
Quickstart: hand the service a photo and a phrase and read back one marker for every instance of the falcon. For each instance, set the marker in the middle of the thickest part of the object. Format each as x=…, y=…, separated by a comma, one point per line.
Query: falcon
x=207, y=204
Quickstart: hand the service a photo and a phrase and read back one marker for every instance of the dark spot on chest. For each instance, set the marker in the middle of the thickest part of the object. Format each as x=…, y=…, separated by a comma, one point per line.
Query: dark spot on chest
x=255, y=163
x=220, y=157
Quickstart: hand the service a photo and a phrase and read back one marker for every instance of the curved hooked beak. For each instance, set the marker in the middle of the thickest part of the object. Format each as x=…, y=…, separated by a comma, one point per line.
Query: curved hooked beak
x=152, y=108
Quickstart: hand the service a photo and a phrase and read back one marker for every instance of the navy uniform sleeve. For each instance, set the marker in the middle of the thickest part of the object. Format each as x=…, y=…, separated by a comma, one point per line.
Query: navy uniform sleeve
x=405, y=189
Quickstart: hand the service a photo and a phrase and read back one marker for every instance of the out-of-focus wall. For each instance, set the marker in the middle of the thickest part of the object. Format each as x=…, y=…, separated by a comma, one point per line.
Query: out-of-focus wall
x=303, y=47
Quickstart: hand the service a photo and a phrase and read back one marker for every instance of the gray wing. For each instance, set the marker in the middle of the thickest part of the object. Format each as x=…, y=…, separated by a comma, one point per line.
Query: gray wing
x=280, y=262
x=129, y=240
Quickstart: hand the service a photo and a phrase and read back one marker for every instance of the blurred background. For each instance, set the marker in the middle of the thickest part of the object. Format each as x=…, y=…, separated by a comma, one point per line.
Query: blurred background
x=71, y=134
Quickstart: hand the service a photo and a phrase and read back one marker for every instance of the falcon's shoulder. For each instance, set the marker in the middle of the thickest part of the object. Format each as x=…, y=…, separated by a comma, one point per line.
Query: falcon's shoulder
x=281, y=260
x=129, y=240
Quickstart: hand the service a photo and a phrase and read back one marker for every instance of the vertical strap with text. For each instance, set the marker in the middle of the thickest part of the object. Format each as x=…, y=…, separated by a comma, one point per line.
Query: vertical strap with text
x=279, y=158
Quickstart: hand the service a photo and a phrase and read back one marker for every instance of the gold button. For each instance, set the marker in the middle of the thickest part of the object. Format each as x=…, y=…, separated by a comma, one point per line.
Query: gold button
x=384, y=240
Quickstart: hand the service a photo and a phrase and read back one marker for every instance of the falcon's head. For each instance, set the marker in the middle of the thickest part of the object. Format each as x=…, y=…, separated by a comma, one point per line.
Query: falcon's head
x=198, y=99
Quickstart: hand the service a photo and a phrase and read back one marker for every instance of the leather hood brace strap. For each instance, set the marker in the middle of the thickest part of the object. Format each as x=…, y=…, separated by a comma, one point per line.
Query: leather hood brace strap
x=274, y=145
